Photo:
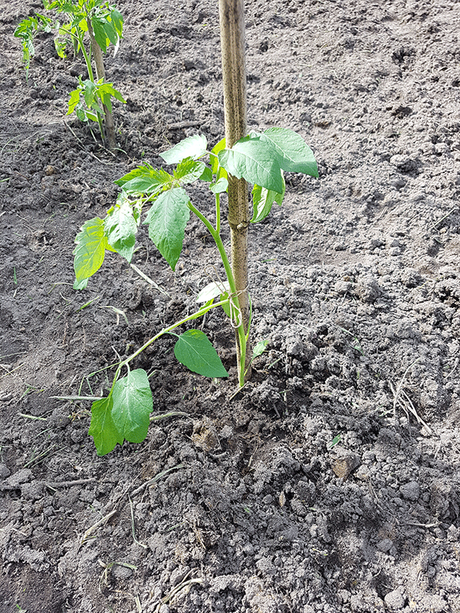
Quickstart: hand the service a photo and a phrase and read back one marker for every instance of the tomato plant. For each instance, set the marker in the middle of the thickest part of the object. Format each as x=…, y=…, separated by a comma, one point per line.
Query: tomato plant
x=99, y=23
x=158, y=198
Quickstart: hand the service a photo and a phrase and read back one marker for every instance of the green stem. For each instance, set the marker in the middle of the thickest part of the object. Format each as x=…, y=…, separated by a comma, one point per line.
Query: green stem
x=87, y=57
x=167, y=330
x=218, y=213
x=238, y=321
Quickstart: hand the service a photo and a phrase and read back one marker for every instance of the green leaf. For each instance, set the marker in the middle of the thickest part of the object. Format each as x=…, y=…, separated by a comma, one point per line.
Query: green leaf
x=82, y=285
x=194, y=350
x=145, y=180
x=262, y=201
x=117, y=20
x=110, y=31
x=132, y=405
x=90, y=250
x=102, y=428
x=226, y=307
x=216, y=169
x=105, y=91
x=193, y=146
x=121, y=227
x=167, y=219
x=206, y=175
x=292, y=152
x=189, y=171
x=253, y=160
x=99, y=33
x=259, y=349
x=219, y=187
x=212, y=290
x=89, y=91
x=74, y=100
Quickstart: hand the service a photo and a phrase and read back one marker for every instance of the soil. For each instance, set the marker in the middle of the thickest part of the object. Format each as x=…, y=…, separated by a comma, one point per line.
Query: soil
x=331, y=482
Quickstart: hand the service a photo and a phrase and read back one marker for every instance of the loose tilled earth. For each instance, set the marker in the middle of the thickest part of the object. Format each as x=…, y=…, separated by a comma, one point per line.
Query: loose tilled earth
x=242, y=503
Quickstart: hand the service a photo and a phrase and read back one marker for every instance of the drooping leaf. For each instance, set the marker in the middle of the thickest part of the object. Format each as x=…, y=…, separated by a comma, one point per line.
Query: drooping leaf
x=102, y=428
x=189, y=170
x=167, y=219
x=110, y=31
x=117, y=20
x=99, y=33
x=194, y=350
x=120, y=228
x=145, y=180
x=292, y=152
x=132, y=405
x=253, y=160
x=193, y=146
x=90, y=250
x=212, y=290
x=262, y=201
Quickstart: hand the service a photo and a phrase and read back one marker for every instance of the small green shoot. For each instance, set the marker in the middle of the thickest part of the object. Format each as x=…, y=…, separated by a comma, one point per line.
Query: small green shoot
x=87, y=304
x=335, y=441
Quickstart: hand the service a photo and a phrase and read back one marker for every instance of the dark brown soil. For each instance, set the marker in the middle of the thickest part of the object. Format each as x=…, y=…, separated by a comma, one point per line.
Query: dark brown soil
x=243, y=504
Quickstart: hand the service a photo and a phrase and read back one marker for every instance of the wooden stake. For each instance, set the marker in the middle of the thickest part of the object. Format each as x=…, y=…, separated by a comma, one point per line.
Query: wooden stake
x=232, y=30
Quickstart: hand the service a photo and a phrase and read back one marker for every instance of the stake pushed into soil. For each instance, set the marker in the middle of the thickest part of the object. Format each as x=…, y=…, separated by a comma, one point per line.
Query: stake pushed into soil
x=100, y=74
x=232, y=31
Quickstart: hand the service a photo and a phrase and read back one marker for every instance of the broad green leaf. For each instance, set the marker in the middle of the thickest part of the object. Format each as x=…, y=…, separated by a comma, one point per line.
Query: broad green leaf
x=132, y=405
x=167, y=219
x=110, y=31
x=262, y=201
x=253, y=160
x=106, y=91
x=117, y=20
x=259, y=348
x=102, y=428
x=189, y=171
x=206, y=175
x=219, y=187
x=194, y=350
x=90, y=115
x=74, y=101
x=213, y=157
x=99, y=33
x=120, y=228
x=292, y=152
x=81, y=285
x=145, y=180
x=193, y=146
x=90, y=250
x=89, y=91
x=212, y=290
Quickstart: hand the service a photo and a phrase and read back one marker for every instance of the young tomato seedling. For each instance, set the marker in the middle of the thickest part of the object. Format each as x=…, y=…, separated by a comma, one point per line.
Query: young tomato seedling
x=261, y=159
x=102, y=24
